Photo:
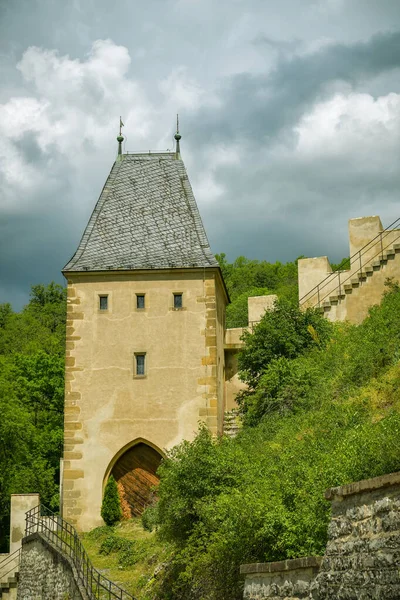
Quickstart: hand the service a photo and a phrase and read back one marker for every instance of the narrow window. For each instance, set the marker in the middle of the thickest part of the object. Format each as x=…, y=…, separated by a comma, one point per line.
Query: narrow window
x=178, y=301
x=140, y=364
x=140, y=301
x=103, y=302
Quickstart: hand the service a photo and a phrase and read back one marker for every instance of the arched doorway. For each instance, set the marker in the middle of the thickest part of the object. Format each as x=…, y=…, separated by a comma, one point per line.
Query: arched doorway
x=136, y=470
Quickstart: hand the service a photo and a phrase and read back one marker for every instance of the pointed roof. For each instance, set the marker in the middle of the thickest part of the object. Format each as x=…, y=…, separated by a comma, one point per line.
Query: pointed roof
x=146, y=218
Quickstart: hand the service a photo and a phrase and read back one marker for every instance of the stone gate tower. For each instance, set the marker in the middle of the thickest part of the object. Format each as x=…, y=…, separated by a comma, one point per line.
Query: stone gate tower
x=145, y=334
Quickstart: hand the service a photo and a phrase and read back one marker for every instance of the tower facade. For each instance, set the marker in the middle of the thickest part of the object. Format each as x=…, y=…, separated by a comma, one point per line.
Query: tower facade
x=145, y=335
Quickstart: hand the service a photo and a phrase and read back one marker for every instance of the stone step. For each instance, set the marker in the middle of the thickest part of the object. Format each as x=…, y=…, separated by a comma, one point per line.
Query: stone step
x=368, y=269
x=396, y=247
x=355, y=282
x=376, y=265
x=362, y=276
x=348, y=288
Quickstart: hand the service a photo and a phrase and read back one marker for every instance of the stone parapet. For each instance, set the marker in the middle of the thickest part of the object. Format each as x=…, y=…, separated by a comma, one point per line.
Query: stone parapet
x=284, y=579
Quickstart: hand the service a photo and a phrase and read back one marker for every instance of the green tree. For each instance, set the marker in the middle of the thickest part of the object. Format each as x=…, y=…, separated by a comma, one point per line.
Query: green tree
x=32, y=350
x=111, y=511
x=286, y=332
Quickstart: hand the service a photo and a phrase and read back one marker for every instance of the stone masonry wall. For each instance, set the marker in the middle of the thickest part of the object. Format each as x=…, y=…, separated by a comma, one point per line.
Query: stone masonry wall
x=45, y=574
x=362, y=558
x=363, y=553
x=285, y=579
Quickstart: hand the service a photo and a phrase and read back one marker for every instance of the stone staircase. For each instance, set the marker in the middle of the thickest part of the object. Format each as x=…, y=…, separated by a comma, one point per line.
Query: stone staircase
x=354, y=283
x=9, y=575
x=232, y=422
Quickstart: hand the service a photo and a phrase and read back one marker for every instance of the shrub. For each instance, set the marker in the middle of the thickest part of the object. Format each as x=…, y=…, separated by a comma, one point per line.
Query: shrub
x=111, y=511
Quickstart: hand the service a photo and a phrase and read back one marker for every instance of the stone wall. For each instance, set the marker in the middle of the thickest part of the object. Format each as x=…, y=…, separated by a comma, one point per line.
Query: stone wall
x=285, y=579
x=45, y=574
x=362, y=557
x=363, y=552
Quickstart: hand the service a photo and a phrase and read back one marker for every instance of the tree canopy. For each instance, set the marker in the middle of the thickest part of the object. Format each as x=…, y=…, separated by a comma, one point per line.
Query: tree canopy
x=32, y=348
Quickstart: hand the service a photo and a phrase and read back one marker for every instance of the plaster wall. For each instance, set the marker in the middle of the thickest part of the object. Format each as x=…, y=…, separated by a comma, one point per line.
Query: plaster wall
x=354, y=307
x=20, y=504
x=258, y=305
x=351, y=304
x=107, y=407
x=311, y=272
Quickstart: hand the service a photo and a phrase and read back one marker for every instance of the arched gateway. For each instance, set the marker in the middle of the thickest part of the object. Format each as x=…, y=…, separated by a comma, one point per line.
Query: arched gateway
x=136, y=470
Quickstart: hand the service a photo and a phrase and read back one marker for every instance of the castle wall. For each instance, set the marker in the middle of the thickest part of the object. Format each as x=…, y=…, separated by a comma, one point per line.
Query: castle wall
x=361, y=560
x=107, y=407
x=280, y=580
x=345, y=295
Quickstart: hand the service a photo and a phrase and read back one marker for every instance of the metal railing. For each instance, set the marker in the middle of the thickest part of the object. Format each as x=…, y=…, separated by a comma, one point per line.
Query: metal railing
x=63, y=535
x=10, y=564
x=318, y=294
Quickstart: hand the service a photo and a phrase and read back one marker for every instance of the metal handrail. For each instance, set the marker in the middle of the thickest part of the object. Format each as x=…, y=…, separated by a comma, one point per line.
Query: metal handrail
x=14, y=559
x=65, y=537
x=354, y=274
x=357, y=255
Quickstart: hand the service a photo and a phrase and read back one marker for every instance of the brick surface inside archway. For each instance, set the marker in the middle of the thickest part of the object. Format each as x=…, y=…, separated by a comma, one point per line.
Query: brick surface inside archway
x=136, y=470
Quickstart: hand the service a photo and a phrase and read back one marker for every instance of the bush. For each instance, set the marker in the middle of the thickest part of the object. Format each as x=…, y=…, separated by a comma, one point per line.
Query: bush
x=111, y=511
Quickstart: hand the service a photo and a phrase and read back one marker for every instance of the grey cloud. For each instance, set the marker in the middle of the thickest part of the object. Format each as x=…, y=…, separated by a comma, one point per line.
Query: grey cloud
x=257, y=107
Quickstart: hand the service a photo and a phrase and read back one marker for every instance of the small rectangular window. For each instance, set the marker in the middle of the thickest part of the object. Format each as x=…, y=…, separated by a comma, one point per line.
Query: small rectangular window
x=140, y=364
x=178, y=301
x=140, y=301
x=103, y=302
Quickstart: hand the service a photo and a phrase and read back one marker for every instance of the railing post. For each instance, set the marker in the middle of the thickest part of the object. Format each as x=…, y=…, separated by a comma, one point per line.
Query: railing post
x=340, y=292
x=381, y=246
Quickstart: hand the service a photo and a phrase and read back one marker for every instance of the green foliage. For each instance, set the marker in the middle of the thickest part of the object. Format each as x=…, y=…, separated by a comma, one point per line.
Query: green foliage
x=245, y=277
x=32, y=349
x=285, y=332
x=111, y=510
x=325, y=413
x=237, y=314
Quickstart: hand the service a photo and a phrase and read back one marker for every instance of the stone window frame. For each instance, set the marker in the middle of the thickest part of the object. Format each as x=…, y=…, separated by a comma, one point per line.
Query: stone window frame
x=135, y=365
x=174, y=295
x=145, y=301
x=98, y=296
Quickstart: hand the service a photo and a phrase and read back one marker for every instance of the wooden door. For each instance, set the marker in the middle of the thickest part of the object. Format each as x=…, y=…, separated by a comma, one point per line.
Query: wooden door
x=136, y=470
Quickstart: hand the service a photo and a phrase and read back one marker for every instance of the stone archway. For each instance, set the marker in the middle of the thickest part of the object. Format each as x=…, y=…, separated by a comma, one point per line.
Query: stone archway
x=136, y=470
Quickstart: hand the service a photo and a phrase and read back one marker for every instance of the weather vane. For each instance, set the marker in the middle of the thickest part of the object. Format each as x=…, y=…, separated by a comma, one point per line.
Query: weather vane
x=177, y=137
x=120, y=138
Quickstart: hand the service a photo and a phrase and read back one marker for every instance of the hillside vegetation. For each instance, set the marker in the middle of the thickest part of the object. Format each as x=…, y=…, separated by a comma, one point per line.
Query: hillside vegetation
x=322, y=410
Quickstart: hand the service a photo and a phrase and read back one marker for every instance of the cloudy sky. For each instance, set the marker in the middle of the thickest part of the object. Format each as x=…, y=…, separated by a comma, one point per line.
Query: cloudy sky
x=289, y=111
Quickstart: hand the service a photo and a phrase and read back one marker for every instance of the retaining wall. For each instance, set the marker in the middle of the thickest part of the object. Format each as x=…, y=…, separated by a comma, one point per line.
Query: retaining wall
x=45, y=573
x=362, y=558
x=285, y=579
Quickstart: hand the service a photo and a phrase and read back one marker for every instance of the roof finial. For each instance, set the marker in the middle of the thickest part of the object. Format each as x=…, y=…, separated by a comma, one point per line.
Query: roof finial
x=120, y=138
x=177, y=137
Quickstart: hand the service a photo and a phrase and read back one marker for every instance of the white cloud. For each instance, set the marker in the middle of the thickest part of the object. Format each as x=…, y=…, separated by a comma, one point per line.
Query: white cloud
x=355, y=127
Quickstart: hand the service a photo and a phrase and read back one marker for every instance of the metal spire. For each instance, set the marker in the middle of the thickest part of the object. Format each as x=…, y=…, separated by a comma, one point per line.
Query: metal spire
x=177, y=136
x=120, y=138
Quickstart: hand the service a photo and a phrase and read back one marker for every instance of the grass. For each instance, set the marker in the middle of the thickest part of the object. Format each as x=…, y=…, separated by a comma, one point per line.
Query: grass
x=128, y=555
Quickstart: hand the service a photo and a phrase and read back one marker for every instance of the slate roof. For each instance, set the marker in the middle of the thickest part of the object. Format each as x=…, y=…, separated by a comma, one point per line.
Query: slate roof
x=146, y=218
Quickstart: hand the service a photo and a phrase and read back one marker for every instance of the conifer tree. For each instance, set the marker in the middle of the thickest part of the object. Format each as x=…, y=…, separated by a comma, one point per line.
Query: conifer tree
x=111, y=511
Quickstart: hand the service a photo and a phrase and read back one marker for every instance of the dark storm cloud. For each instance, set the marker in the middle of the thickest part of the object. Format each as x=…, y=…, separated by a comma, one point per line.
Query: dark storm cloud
x=259, y=106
